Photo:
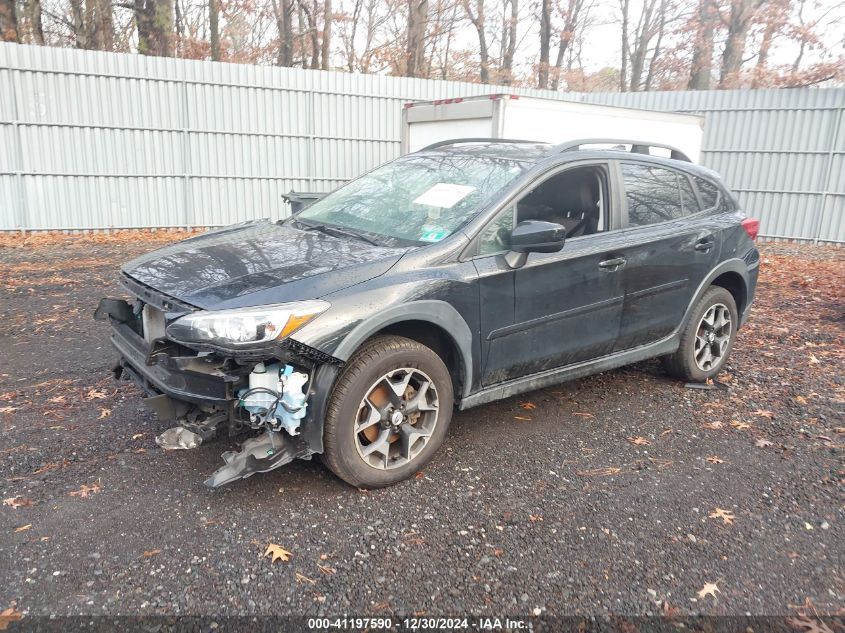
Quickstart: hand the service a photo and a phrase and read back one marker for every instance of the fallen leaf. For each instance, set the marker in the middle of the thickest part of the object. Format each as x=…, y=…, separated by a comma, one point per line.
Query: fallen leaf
x=277, y=552
x=584, y=415
x=598, y=472
x=301, y=578
x=715, y=426
x=521, y=419
x=761, y=443
x=713, y=459
x=528, y=406
x=639, y=441
x=328, y=571
x=814, y=360
x=740, y=426
x=18, y=502
x=95, y=394
x=104, y=413
x=809, y=625
x=420, y=475
x=534, y=518
x=800, y=399
x=7, y=616
x=137, y=436
x=23, y=528
x=726, y=515
x=8, y=409
x=151, y=553
x=764, y=414
x=709, y=589
x=86, y=489
x=57, y=399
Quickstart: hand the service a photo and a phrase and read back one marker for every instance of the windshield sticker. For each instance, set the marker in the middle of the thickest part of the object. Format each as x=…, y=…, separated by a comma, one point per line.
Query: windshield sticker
x=432, y=235
x=444, y=195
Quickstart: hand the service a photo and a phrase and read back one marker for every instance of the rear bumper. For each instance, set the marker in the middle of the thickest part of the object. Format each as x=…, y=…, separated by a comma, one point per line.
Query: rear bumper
x=168, y=375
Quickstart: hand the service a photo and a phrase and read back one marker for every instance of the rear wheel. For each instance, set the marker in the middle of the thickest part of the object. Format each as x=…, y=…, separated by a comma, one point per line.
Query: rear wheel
x=707, y=338
x=388, y=413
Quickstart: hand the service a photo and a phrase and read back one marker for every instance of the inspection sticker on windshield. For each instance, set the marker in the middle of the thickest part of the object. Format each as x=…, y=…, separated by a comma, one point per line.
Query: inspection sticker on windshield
x=432, y=236
x=444, y=195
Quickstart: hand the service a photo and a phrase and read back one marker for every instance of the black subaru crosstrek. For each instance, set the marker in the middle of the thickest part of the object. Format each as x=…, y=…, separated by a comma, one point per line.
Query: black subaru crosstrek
x=467, y=272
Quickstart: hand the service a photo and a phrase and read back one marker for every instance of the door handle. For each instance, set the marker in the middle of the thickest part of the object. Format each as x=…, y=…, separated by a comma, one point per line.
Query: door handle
x=611, y=265
x=705, y=244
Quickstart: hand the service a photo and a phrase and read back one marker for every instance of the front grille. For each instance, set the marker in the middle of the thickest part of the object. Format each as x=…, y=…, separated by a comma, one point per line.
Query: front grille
x=153, y=297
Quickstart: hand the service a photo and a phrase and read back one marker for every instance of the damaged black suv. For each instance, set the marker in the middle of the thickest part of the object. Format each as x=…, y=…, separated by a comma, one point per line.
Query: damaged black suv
x=467, y=272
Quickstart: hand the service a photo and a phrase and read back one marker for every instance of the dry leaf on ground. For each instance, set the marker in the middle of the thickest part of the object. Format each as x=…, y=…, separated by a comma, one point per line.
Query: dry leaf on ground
x=18, y=502
x=277, y=552
x=715, y=459
x=639, y=441
x=86, y=489
x=7, y=616
x=726, y=515
x=709, y=589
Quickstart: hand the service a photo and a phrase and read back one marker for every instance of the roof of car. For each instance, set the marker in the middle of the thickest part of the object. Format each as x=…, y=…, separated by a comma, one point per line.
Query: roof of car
x=538, y=152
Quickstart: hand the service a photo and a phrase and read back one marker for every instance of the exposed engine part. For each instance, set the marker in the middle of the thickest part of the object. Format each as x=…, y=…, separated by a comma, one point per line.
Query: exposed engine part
x=178, y=438
x=275, y=398
x=259, y=455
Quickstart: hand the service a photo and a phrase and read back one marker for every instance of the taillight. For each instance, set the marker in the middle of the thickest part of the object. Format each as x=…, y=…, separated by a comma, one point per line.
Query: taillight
x=752, y=227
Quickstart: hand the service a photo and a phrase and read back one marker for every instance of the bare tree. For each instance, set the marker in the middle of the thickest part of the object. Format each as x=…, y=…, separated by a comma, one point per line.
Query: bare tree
x=739, y=22
x=154, y=21
x=701, y=69
x=509, y=23
x=478, y=20
x=325, y=44
x=572, y=16
x=283, y=13
x=415, y=45
x=214, y=28
x=545, y=43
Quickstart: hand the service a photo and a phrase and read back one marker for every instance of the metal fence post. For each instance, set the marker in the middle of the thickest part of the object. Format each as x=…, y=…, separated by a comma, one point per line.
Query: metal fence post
x=828, y=174
x=22, y=206
x=187, y=213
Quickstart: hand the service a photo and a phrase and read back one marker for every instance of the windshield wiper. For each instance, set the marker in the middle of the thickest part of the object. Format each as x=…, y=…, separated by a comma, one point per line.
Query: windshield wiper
x=334, y=231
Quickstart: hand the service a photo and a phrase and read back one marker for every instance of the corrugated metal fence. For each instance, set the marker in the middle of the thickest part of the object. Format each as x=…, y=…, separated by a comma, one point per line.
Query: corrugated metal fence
x=94, y=140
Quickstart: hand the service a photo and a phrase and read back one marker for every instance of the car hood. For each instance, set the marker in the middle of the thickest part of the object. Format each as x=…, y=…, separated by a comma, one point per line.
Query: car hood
x=259, y=263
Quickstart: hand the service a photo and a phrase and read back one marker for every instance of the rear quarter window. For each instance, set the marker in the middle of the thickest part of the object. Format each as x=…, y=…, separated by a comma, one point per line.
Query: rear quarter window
x=710, y=195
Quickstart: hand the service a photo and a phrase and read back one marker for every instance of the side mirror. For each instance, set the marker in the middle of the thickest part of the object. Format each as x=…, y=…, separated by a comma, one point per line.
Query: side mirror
x=535, y=236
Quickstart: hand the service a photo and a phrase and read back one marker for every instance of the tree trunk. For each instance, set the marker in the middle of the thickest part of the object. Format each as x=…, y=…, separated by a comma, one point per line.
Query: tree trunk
x=701, y=70
x=325, y=49
x=545, y=43
x=154, y=20
x=283, y=10
x=478, y=21
x=214, y=28
x=763, y=54
x=623, y=70
x=9, y=21
x=33, y=10
x=509, y=43
x=417, y=22
x=742, y=13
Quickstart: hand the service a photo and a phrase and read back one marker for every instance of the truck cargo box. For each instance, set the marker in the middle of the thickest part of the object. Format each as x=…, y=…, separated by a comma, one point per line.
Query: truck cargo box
x=548, y=120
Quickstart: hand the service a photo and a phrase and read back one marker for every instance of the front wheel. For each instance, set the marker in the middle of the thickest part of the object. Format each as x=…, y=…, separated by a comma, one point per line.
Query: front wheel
x=707, y=338
x=388, y=413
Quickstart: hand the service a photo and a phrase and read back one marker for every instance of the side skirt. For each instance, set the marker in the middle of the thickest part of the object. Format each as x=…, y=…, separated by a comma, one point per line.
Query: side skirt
x=570, y=372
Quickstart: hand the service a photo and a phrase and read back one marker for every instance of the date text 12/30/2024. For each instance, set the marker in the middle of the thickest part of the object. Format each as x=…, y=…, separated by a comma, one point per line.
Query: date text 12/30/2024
x=419, y=624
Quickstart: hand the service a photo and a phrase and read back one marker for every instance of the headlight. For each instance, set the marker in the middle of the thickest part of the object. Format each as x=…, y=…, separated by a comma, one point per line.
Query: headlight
x=245, y=326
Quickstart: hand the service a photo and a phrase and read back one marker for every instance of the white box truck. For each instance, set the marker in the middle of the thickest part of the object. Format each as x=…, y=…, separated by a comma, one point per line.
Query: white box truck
x=510, y=116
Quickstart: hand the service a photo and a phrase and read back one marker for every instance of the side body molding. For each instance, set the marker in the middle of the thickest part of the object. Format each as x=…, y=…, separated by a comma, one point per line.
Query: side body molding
x=435, y=312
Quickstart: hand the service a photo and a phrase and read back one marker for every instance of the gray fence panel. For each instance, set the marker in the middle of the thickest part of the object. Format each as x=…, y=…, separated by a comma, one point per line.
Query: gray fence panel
x=93, y=140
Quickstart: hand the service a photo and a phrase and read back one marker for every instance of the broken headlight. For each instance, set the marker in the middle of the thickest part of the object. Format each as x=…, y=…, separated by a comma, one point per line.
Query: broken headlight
x=245, y=326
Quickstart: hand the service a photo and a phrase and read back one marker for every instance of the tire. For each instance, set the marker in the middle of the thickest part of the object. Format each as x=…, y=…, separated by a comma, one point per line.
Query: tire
x=689, y=362
x=369, y=388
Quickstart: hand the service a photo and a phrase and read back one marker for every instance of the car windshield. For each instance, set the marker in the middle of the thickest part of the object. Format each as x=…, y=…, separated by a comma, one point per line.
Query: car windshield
x=416, y=199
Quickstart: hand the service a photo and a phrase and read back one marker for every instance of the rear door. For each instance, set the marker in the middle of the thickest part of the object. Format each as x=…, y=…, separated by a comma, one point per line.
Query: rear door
x=669, y=244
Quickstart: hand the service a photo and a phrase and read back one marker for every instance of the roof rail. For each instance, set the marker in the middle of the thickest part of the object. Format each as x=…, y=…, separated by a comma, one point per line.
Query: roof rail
x=455, y=141
x=637, y=147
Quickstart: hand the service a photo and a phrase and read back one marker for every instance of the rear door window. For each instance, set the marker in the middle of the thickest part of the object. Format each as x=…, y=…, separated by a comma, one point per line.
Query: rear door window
x=709, y=193
x=653, y=194
x=688, y=199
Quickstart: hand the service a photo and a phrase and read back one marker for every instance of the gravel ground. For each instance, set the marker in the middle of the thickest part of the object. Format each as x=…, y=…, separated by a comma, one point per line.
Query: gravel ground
x=622, y=493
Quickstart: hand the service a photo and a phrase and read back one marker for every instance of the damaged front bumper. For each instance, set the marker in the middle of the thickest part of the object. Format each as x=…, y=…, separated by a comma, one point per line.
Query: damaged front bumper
x=199, y=391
